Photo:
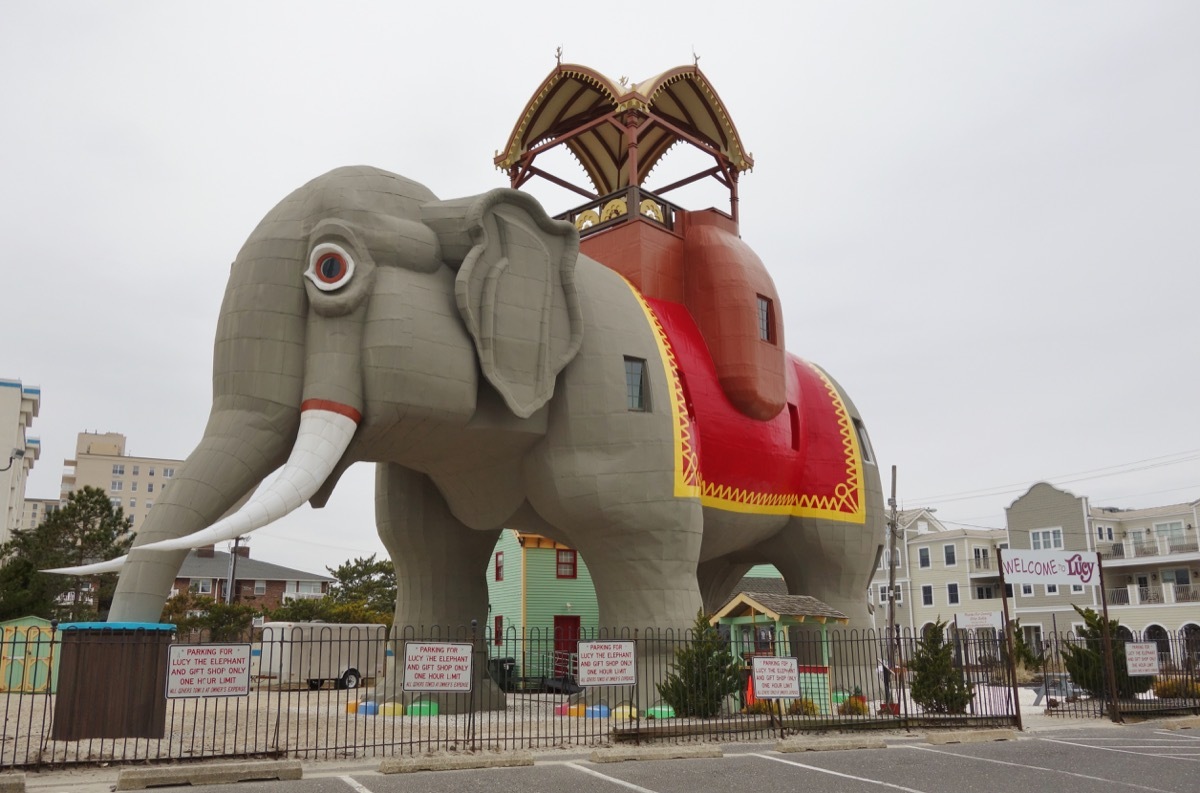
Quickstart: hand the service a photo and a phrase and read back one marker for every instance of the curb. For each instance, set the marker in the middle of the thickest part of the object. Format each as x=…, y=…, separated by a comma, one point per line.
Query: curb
x=454, y=762
x=12, y=783
x=655, y=753
x=970, y=736
x=223, y=774
x=1185, y=723
x=829, y=744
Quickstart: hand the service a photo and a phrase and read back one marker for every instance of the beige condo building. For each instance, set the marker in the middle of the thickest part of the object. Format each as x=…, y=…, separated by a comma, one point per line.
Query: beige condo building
x=19, y=405
x=132, y=483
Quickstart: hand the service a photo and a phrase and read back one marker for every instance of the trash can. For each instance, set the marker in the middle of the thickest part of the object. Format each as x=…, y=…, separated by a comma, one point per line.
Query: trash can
x=502, y=672
x=112, y=680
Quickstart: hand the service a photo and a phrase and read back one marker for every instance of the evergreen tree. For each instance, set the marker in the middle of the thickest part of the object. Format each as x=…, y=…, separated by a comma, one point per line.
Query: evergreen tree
x=366, y=581
x=1085, y=659
x=85, y=529
x=704, y=673
x=216, y=621
x=937, y=686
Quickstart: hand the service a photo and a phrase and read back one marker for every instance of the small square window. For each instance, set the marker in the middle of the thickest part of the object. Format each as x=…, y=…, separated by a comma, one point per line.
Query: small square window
x=567, y=564
x=260, y=587
x=1051, y=589
x=636, y=391
x=1076, y=589
x=1026, y=589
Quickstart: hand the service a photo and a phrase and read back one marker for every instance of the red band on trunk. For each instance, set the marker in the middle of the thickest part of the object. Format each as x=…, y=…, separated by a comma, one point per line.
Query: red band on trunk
x=333, y=407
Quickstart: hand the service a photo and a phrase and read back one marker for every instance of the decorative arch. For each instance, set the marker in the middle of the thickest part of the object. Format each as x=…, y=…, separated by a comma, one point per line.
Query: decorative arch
x=1161, y=637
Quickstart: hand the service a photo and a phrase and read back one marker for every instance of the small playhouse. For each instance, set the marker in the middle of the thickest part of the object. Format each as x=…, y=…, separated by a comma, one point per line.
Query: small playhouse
x=761, y=623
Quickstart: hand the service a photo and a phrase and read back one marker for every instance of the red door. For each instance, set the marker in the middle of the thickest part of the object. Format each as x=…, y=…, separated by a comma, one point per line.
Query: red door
x=566, y=644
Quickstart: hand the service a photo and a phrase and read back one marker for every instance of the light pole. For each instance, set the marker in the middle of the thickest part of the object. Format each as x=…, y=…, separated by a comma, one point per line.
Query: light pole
x=17, y=454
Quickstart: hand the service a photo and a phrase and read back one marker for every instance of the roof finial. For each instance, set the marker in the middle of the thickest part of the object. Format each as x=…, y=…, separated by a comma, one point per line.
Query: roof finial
x=558, y=55
x=695, y=57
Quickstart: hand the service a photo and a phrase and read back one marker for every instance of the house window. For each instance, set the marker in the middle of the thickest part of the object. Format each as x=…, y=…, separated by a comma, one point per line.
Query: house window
x=260, y=587
x=952, y=594
x=1110, y=534
x=1173, y=531
x=150, y=488
x=116, y=501
x=117, y=484
x=948, y=553
x=168, y=473
x=883, y=594
x=1051, y=589
x=1026, y=590
x=898, y=594
x=766, y=319
x=923, y=557
x=497, y=630
x=118, y=469
x=133, y=485
x=567, y=564
x=152, y=471
x=927, y=595
x=202, y=586
x=984, y=592
x=135, y=470
x=1076, y=589
x=1008, y=590
x=636, y=395
x=149, y=504
x=1046, y=540
x=499, y=565
x=132, y=503
x=864, y=443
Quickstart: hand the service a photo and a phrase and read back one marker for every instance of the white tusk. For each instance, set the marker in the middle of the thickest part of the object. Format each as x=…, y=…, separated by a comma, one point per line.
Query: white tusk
x=320, y=443
x=111, y=566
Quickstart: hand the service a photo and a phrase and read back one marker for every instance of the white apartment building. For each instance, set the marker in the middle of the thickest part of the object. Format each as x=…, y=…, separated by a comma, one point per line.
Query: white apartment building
x=132, y=483
x=1150, y=558
x=19, y=450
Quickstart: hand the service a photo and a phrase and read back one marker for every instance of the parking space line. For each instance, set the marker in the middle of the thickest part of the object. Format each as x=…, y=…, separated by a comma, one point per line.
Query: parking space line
x=1109, y=749
x=608, y=778
x=838, y=773
x=1039, y=768
x=357, y=787
x=1178, y=736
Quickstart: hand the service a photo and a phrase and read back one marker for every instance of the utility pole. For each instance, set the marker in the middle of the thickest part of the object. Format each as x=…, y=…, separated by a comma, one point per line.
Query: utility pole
x=893, y=638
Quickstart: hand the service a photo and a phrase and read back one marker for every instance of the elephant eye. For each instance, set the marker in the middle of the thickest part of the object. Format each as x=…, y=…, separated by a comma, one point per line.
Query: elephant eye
x=329, y=267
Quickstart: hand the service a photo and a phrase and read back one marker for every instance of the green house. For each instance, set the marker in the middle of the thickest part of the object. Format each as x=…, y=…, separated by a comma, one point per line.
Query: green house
x=28, y=656
x=540, y=602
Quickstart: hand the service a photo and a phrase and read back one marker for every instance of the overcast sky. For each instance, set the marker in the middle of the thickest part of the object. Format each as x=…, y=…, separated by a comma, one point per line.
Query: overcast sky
x=982, y=218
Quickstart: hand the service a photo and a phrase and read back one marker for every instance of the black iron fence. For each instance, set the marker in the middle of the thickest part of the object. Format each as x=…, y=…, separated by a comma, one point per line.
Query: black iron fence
x=327, y=691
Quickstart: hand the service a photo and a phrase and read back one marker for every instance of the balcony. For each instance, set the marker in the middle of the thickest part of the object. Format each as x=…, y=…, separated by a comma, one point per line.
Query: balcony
x=1187, y=593
x=984, y=566
x=1131, y=551
x=1160, y=594
x=613, y=209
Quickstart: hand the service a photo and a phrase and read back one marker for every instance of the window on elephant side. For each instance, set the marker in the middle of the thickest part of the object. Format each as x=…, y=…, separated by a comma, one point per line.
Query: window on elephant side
x=499, y=565
x=636, y=389
x=864, y=442
x=766, y=320
x=567, y=564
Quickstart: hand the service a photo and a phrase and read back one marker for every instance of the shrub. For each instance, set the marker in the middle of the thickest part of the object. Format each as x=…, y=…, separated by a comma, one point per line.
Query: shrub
x=1176, y=688
x=704, y=673
x=1085, y=660
x=938, y=687
x=853, y=707
x=762, y=707
x=803, y=707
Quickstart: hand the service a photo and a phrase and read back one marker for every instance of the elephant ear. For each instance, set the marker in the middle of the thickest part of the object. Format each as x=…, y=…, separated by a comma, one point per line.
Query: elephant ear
x=515, y=289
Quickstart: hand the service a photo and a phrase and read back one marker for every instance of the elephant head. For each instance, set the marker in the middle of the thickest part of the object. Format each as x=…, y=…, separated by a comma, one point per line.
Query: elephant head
x=360, y=299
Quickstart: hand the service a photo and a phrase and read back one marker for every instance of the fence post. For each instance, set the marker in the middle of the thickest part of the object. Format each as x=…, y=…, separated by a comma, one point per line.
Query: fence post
x=1110, y=670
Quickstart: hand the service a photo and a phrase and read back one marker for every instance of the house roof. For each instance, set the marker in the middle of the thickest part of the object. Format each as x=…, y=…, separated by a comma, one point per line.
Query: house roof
x=1116, y=515
x=773, y=586
x=777, y=607
x=217, y=566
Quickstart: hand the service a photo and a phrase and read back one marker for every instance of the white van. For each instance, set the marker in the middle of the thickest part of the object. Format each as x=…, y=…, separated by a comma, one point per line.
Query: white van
x=291, y=653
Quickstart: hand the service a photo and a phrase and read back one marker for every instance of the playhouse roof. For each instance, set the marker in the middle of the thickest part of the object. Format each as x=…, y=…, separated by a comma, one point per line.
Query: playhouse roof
x=682, y=103
x=800, y=608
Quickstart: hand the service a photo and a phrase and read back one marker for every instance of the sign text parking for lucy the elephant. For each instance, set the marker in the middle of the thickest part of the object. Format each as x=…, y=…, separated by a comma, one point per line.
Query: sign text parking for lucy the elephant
x=437, y=666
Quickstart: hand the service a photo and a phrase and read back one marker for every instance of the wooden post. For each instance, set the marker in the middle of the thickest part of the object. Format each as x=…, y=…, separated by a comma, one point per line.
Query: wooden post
x=1110, y=668
x=1008, y=641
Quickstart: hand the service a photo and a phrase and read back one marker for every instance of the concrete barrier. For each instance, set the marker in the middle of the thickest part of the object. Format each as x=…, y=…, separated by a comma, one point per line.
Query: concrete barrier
x=454, y=762
x=623, y=755
x=225, y=773
x=828, y=744
x=970, y=736
x=12, y=783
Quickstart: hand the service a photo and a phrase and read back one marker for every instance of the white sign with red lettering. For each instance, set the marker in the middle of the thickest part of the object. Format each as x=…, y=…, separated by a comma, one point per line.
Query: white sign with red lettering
x=776, y=677
x=437, y=666
x=1050, y=567
x=607, y=663
x=208, y=670
x=1141, y=658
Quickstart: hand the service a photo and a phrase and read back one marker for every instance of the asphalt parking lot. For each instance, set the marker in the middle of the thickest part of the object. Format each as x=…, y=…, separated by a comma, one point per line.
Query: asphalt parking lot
x=1140, y=757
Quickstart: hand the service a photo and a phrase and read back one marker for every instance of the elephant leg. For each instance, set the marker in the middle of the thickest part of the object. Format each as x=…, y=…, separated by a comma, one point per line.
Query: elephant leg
x=718, y=578
x=441, y=583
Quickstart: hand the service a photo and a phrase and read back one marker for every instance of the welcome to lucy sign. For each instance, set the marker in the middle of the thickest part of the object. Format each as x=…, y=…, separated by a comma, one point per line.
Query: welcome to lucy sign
x=1050, y=567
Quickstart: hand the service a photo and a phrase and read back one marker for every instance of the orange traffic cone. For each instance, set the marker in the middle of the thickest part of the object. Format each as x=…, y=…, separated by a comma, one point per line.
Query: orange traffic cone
x=750, y=698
